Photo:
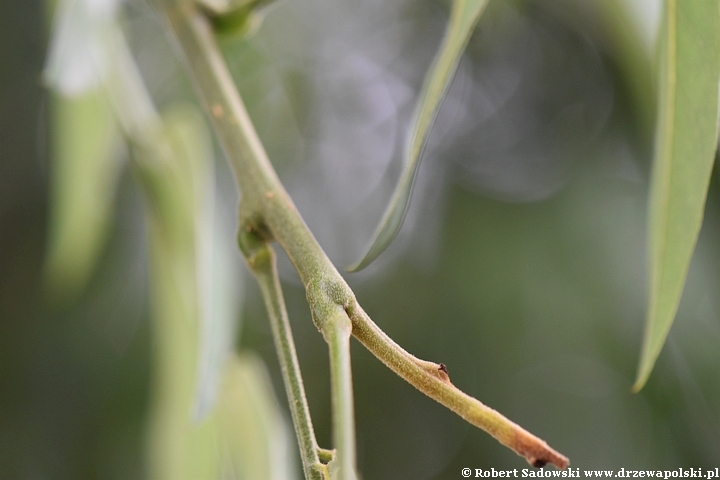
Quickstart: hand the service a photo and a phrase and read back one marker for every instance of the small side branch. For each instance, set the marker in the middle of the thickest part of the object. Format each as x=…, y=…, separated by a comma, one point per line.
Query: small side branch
x=337, y=332
x=261, y=259
x=432, y=379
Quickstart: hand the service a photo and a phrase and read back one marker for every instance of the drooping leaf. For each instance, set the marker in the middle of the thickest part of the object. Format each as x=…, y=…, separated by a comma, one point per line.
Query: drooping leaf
x=172, y=164
x=222, y=300
x=85, y=144
x=78, y=57
x=463, y=18
x=255, y=440
x=85, y=170
x=685, y=145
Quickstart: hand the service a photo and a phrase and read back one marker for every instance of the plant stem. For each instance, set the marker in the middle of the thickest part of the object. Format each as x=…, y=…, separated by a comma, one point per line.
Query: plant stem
x=343, y=418
x=268, y=211
x=262, y=261
x=433, y=380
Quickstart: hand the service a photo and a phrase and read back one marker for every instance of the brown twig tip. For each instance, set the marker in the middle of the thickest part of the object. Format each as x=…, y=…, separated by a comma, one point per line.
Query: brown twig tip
x=537, y=452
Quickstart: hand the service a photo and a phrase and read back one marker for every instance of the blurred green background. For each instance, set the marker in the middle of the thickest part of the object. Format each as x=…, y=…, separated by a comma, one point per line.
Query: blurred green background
x=521, y=265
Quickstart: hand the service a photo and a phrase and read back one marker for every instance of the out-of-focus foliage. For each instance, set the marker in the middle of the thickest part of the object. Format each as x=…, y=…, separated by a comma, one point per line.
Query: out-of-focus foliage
x=192, y=314
x=86, y=143
x=521, y=264
x=245, y=437
x=255, y=439
x=174, y=171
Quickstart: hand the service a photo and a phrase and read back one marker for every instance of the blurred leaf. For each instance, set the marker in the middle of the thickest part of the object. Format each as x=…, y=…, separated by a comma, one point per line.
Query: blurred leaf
x=222, y=299
x=686, y=141
x=463, y=18
x=78, y=57
x=86, y=140
x=85, y=172
x=256, y=443
x=174, y=169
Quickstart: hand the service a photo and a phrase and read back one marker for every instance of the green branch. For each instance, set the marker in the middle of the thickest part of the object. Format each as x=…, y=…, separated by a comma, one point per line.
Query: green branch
x=333, y=322
x=267, y=210
x=433, y=380
x=261, y=259
x=343, y=412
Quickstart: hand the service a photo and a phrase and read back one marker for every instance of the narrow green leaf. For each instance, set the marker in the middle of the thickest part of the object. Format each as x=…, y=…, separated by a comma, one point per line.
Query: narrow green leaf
x=222, y=300
x=255, y=439
x=85, y=171
x=85, y=145
x=463, y=18
x=173, y=166
x=685, y=145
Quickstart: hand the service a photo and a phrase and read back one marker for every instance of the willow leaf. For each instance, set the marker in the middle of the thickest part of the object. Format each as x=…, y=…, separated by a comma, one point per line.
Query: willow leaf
x=85, y=144
x=85, y=172
x=222, y=299
x=685, y=146
x=463, y=18
x=173, y=167
x=255, y=441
